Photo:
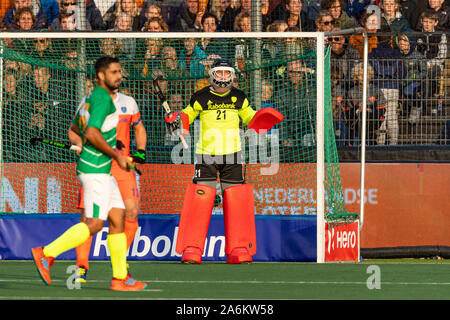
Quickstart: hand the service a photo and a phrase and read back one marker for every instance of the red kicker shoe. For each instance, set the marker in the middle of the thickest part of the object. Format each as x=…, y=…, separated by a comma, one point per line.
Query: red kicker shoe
x=239, y=255
x=192, y=255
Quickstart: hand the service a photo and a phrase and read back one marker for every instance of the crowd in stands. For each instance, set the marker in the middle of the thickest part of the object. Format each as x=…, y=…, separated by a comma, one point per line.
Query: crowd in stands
x=407, y=53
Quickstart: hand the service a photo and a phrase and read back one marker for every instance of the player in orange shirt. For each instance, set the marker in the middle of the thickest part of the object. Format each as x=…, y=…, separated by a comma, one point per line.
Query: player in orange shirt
x=129, y=117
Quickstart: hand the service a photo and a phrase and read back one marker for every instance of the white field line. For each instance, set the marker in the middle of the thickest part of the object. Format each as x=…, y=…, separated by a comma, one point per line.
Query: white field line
x=248, y=282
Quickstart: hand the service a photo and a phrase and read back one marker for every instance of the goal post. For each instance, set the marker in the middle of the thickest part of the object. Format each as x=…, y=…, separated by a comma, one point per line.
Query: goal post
x=294, y=168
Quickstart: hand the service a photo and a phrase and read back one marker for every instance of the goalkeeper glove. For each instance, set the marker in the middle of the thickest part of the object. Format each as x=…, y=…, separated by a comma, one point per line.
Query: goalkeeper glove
x=139, y=156
x=177, y=123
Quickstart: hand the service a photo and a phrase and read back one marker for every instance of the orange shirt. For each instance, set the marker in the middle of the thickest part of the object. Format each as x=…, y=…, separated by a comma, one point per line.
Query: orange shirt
x=357, y=42
x=129, y=115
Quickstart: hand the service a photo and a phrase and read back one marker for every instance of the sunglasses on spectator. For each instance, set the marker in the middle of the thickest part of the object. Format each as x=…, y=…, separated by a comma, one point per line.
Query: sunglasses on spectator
x=336, y=39
x=326, y=22
x=66, y=4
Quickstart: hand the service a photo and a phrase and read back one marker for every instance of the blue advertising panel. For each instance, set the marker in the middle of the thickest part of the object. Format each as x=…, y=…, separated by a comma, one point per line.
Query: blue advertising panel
x=279, y=238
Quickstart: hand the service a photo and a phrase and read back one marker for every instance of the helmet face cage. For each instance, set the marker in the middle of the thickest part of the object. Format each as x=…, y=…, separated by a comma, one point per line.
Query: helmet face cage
x=218, y=81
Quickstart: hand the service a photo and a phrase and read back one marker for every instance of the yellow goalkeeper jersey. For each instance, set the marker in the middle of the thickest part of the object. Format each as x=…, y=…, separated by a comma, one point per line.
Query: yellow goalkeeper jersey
x=220, y=115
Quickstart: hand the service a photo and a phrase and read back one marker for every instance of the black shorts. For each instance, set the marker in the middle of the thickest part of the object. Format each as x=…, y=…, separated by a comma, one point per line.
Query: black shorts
x=229, y=168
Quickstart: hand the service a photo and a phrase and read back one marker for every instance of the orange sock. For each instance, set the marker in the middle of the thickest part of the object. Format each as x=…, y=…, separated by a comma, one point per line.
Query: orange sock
x=130, y=229
x=83, y=253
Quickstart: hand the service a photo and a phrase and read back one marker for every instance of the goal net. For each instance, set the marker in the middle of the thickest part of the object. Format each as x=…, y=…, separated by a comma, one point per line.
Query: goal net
x=44, y=77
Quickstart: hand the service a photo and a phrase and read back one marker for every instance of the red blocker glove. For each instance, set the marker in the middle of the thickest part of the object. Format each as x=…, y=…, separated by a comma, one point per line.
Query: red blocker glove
x=177, y=123
x=265, y=119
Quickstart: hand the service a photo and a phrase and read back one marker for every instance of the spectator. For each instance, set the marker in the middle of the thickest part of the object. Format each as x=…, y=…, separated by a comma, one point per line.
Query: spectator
x=151, y=55
x=356, y=9
x=66, y=23
x=242, y=52
x=389, y=71
x=272, y=48
x=189, y=17
x=343, y=58
x=375, y=106
x=294, y=47
x=42, y=114
x=295, y=101
x=36, y=11
x=416, y=72
x=324, y=21
x=213, y=45
x=392, y=19
x=155, y=25
x=71, y=60
x=236, y=7
x=443, y=15
x=108, y=47
x=5, y=6
x=291, y=11
x=410, y=11
x=312, y=9
x=169, y=10
x=357, y=40
x=123, y=23
x=341, y=18
x=434, y=47
x=170, y=65
x=128, y=6
x=190, y=57
x=277, y=26
x=94, y=20
x=267, y=94
x=43, y=49
x=267, y=98
x=265, y=14
x=11, y=127
x=24, y=19
x=225, y=14
x=338, y=100
x=148, y=12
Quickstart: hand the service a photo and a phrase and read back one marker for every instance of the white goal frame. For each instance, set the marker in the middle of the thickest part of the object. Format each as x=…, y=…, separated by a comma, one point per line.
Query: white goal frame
x=320, y=45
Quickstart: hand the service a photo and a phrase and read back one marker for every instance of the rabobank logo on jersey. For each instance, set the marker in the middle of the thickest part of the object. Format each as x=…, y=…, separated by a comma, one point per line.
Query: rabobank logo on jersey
x=214, y=106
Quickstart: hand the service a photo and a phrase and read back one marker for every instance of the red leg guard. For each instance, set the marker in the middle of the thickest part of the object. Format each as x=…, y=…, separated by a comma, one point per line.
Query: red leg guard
x=239, y=219
x=194, y=221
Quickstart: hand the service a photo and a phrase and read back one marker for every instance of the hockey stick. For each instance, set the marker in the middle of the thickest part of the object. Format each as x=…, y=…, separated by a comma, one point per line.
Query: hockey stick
x=35, y=140
x=165, y=104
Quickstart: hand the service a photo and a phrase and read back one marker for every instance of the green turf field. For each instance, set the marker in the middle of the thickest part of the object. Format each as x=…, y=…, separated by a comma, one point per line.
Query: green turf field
x=399, y=279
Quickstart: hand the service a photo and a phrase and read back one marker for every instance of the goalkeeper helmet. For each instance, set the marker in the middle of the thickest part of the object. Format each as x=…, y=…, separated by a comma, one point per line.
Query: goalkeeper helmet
x=222, y=73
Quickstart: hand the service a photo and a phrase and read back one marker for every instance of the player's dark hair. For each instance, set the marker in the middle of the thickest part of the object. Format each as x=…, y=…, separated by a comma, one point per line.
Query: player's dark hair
x=103, y=63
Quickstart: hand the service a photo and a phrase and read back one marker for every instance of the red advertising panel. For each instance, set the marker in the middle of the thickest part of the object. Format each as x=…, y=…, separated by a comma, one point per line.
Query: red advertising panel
x=342, y=242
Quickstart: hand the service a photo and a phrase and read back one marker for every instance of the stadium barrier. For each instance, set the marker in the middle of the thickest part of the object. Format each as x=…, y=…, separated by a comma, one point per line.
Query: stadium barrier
x=289, y=238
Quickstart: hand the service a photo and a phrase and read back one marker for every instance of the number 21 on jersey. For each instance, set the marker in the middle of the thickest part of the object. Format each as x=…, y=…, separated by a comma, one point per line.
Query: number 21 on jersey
x=221, y=114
